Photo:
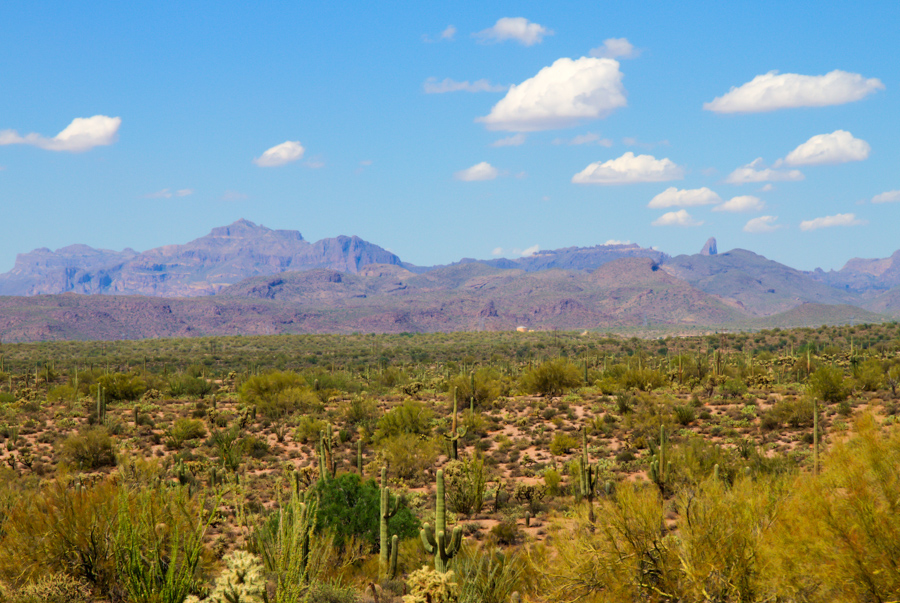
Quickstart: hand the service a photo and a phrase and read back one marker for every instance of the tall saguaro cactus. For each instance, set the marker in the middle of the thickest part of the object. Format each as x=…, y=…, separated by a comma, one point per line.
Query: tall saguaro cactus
x=455, y=432
x=436, y=541
x=326, y=458
x=387, y=568
x=589, y=476
x=659, y=468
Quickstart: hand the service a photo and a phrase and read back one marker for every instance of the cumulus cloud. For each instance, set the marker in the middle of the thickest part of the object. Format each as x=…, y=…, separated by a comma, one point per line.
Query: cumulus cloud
x=774, y=91
x=838, y=147
x=676, y=218
x=497, y=251
x=757, y=172
x=433, y=86
x=617, y=242
x=743, y=203
x=83, y=134
x=530, y=251
x=674, y=197
x=167, y=194
x=829, y=221
x=479, y=171
x=281, y=154
x=614, y=48
x=762, y=224
x=559, y=96
x=887, y=197
x=510, y=141
x=514, y=28
x=629, y=169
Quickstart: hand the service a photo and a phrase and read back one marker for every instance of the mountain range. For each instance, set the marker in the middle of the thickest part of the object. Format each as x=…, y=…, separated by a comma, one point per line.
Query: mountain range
x=249, y=279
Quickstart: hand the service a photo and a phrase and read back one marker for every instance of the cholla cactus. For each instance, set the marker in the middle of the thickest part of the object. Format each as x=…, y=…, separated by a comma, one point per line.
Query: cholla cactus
x=243, y=581
x=431, y=586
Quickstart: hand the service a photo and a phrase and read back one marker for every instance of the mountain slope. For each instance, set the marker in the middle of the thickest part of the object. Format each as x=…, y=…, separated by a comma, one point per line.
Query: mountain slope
x=757, y=285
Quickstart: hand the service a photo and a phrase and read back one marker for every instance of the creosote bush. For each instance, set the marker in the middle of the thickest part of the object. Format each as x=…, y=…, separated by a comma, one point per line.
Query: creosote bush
x=92, y=448
x=552, y=378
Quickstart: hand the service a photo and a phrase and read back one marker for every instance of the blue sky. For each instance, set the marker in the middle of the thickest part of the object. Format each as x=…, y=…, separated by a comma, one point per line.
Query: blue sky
x=450, y=130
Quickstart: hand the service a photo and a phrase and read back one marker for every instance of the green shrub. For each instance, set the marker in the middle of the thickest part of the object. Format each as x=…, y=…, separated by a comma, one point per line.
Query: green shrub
x=465, y=485
x=684, y=415
x=183, y=431
x=119, y=386
x=350, y=507
x=189, y=386
x=644, y=379
x=733, y=388
x=92, y=448
x=488, y=387
x=408, y=455
x=278, y=393
x=563, y=443
x=308, y=429
x=410, y=418
x=61, y=529
x=827, y=384
x=488, y=576
x=552, y=378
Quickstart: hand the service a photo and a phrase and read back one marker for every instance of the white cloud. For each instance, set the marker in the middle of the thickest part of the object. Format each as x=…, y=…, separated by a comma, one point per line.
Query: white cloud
x=887, y=197
x=838, y=147
x=629, y=169
x=365, y=162
x=767, y=187
x=497, y=251
x=617, y=242
x=167, y=194
x=530, y=251
x=673, y=197
x=433, y=86
x=743, y=203
x=757, y=172
x=829, y=221
x=447, y=35
x=676, y=218
x=281, y=154
x=514, y=28
x=559, y=96
x=613, y=48
x=315, y=164
x=479, y=171
x=772, y=91
x=762, y=224
x=84, y=133
x=510, y=141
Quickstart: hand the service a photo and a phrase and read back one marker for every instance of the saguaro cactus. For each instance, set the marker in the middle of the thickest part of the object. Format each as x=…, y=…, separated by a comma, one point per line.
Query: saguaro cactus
x=326, y=458
x=589, y=476
x=659, y=468
x=437, y=541
x=387, y=556
x=455, y=432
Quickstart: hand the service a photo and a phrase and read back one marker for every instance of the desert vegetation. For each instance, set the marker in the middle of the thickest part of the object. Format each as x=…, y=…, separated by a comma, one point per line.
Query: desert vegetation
x=464, y=467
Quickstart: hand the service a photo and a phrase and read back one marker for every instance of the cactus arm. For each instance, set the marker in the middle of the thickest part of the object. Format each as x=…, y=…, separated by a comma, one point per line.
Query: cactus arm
x=428, y=541
x=395, y=546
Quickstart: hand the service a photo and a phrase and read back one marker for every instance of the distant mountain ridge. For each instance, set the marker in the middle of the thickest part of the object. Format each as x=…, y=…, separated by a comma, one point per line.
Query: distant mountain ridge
x=246, y=278
x=203, y=266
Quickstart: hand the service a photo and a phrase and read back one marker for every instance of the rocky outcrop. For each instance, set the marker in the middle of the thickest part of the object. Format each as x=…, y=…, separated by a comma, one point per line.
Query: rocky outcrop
x=709, y=248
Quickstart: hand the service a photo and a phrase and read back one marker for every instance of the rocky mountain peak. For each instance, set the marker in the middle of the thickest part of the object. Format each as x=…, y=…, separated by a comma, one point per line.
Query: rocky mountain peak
x=710, y=247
